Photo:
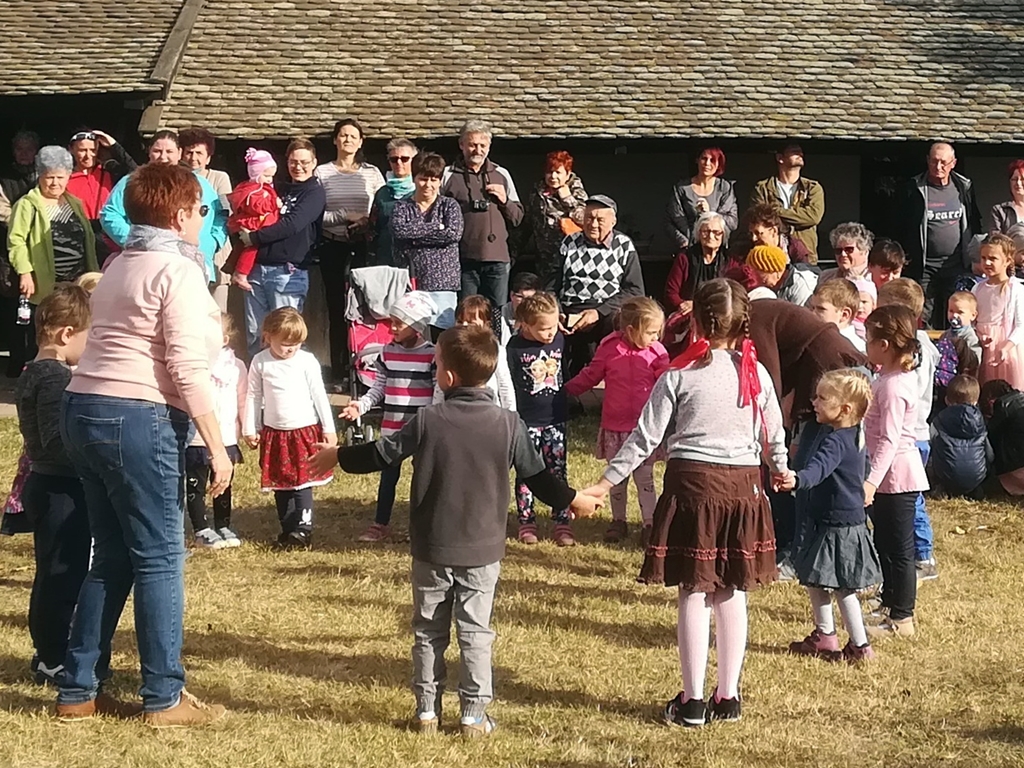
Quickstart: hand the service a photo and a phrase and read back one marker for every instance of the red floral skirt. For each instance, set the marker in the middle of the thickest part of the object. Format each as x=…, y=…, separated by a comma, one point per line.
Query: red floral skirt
x=283, y=454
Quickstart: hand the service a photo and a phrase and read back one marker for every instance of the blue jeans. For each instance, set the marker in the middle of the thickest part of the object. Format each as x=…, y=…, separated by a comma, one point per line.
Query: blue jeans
x=386, y=494
x=130, y=455
x=486, y=278
x=923, y=537
x=272, y=288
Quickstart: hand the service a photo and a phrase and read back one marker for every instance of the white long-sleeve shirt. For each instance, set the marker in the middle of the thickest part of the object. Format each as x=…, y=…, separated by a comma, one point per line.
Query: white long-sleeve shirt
x=286, y=394
x=230, y=389
x=500, y=384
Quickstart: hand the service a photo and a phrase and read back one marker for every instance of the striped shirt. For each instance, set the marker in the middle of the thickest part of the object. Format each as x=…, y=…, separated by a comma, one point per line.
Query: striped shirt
x=347, y=193
x=404, y=383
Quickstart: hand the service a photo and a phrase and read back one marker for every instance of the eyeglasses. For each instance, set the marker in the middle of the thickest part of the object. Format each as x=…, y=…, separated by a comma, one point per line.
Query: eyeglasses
x=714, y=232
x=846, y=250
x=299, y=163
x=83, y=136
x=203, y=210
x=399, y=159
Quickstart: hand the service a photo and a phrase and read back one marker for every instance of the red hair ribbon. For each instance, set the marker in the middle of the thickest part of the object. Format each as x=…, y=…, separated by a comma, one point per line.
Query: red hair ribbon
x=750, y=382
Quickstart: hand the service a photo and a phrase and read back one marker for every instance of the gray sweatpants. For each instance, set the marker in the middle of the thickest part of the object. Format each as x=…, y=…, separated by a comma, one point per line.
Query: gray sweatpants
x=438, y=593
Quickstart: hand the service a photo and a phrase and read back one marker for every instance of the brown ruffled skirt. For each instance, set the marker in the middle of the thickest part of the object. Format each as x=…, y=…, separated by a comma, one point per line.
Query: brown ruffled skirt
x=712, y=529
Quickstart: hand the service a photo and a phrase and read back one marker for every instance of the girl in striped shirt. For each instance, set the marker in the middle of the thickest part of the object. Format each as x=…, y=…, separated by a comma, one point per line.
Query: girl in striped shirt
x=404, y=383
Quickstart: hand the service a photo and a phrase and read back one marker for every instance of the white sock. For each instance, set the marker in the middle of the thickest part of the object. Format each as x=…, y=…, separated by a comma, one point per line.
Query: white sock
x=821, y=606
x=853, y=619
x=426, y=715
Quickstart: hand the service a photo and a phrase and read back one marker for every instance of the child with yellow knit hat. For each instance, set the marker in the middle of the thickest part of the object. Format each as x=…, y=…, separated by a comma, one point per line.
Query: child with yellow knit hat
x=787, y=281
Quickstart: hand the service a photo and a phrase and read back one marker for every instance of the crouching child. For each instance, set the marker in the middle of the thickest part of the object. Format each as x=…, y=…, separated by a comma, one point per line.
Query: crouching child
x=462, y=451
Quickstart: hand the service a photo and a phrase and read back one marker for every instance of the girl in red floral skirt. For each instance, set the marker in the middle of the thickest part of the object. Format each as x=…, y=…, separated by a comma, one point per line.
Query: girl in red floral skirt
x=717, y=412
x=287, y=414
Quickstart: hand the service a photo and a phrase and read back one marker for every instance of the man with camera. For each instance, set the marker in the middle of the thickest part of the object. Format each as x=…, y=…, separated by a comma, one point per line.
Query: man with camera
x=490, y=205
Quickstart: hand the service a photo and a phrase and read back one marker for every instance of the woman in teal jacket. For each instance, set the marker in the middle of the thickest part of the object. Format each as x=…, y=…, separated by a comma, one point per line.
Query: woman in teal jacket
x=165, y=149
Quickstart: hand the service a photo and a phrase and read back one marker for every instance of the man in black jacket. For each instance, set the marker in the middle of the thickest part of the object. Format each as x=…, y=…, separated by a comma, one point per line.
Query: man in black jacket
x=941, y=216
x=462, y=450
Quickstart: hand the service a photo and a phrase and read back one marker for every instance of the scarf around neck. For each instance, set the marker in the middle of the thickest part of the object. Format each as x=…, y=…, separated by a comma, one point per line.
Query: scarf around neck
x=400, y=188
x=143, y=237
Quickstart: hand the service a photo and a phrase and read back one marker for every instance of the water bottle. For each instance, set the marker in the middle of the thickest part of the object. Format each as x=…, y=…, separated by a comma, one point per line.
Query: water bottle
x=24, y=311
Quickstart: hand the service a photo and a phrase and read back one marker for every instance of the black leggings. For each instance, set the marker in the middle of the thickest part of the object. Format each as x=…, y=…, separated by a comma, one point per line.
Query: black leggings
x=893, y=518
x=295, y=510
x=60, y=529
x=196, y=480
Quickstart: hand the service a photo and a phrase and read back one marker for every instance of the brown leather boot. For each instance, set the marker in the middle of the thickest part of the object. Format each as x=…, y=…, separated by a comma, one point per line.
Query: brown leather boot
x=188, y=712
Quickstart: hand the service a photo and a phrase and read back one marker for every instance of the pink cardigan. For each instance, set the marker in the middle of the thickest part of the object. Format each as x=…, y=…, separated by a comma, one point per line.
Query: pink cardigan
x=889, y=429
x=155, y=334
x=629, y=375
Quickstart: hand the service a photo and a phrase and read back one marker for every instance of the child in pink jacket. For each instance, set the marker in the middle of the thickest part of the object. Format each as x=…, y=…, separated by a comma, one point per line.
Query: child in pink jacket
x=629, y=361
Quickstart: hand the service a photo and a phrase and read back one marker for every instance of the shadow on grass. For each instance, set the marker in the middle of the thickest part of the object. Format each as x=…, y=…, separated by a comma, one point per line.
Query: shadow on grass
x=1007, y=733
x=635, y=634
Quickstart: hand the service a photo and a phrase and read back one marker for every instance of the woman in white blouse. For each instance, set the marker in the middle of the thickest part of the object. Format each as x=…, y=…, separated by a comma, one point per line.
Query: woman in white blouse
x=350, y=185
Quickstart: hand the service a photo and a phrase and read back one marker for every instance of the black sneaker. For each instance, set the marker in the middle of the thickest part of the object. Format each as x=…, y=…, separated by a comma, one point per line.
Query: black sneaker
x=692, y=713
x=44, y=675
x=724, y=709
x=294, y=540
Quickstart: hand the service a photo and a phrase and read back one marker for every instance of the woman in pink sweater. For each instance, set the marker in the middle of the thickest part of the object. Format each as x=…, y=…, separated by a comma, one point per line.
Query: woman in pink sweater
x=629, y=361
x=126, y=423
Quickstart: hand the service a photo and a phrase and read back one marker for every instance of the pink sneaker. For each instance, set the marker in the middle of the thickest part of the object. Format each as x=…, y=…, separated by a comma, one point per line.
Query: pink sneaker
x=528, y=533
x=563, y=535
x=816, y=644
x=376, y=533
x=852, y=654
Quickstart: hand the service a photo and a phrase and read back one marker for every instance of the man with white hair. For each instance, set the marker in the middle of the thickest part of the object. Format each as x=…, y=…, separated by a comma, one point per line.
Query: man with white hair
x=490, y=206
x=940, y=215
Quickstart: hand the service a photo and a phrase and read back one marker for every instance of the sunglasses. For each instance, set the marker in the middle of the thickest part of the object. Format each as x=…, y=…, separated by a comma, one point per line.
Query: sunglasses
x=399, y=159
x=846, y=250
x=83, y=136
x=204, y=210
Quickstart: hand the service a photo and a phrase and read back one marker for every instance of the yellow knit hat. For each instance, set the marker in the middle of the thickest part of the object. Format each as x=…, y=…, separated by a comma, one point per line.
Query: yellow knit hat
x=767, y=258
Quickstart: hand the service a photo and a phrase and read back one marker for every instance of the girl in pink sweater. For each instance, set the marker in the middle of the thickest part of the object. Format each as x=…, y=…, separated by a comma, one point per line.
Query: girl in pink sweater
x=895, y=472
x=629, y=361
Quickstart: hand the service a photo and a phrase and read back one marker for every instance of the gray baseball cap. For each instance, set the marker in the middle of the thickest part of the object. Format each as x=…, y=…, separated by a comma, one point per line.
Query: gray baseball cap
x=604, y=201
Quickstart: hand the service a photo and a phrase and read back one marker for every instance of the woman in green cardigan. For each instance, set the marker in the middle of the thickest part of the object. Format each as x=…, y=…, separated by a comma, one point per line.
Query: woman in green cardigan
x=49, y=240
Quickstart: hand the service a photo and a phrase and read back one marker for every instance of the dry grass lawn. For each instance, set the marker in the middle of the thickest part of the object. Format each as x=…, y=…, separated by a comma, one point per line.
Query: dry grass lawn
x=310, y=651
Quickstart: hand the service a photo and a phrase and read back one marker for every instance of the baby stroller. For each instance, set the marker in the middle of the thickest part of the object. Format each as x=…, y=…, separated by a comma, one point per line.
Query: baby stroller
x=371, y=292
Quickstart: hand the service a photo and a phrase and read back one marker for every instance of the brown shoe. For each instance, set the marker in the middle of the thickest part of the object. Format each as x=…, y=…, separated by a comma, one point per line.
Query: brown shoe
x=103, y=705
x=893, y=628
x=616, y=532
x=189, y=711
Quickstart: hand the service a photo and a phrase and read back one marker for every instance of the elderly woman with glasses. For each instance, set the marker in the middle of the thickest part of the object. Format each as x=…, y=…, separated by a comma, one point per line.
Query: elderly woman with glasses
x=399, y=185
x=851, y=242
x=702, y=261
x=49, y=239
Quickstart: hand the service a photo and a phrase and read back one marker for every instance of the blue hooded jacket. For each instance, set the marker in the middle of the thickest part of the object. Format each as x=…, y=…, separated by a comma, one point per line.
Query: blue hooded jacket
x=960, y=449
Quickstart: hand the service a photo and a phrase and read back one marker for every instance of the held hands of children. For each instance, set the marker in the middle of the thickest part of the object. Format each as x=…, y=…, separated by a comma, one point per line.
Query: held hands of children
x=326, y=456
x=589, y=500
x=783, y=481
x=253, y=441
x=869, y=494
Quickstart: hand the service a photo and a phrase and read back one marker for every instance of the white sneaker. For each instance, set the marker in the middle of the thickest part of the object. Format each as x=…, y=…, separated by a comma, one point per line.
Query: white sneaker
x=209, y=539
x=229, y=537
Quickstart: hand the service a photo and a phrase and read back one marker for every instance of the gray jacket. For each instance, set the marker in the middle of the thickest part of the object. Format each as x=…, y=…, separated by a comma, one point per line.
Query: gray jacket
x=1004, y=216
x=915, y=239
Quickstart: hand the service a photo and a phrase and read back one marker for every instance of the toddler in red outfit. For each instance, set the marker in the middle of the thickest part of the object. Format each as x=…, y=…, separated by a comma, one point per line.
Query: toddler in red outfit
x=254, y=204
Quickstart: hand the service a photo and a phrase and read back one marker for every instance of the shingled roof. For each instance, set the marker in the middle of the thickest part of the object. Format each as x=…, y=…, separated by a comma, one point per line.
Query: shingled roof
x=82, y=46
x=845, y=69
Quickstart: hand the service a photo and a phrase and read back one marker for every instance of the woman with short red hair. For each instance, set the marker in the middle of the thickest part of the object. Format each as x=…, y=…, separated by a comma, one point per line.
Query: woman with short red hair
x=1005, y=215
x=555, y=209
x=705, y=192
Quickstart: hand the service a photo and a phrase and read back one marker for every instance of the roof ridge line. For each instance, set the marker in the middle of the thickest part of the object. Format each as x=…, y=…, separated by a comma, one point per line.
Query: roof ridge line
x=167, y=63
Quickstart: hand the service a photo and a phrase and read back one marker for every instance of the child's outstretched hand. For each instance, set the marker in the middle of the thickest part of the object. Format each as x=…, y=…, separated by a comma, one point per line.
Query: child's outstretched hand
x=326, y=456
x=869, y=494
x=1002, y=353
x=253, y=441
x=585, y=505
x=350, y=412
x=241, y=281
